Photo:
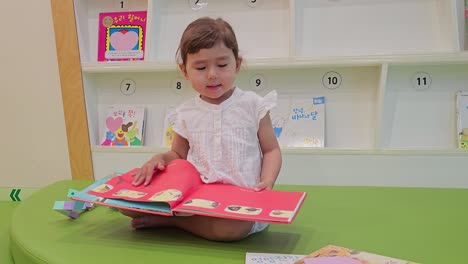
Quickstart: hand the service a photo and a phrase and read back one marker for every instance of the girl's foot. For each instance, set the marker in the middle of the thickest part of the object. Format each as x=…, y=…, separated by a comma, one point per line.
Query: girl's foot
x=149, y=221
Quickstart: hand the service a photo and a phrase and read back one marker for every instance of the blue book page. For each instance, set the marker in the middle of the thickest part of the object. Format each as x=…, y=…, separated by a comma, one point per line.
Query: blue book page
x=148, y=207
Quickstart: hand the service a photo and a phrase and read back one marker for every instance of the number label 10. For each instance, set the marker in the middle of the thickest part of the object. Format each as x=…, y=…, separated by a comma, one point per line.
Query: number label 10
x=331, y=80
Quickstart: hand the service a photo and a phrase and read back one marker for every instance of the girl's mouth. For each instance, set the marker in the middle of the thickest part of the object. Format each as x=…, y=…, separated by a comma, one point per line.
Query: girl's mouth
x=213, y=86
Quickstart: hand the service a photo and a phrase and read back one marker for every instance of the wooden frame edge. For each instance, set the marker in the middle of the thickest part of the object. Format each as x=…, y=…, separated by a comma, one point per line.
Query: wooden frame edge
x=72, y=89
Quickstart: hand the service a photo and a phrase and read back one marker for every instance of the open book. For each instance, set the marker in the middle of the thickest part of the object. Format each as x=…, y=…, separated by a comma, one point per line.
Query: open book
x=336, y=254
x=330, y=254
x=179, y=189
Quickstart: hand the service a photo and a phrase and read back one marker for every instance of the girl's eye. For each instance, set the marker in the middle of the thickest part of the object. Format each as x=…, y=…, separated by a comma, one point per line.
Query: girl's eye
x=200, y=68
x=222, y=65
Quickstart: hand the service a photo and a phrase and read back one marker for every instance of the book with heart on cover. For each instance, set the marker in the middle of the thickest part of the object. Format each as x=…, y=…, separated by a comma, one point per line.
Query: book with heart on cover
x=178, y=189
x=121, y=36
x=121, y=125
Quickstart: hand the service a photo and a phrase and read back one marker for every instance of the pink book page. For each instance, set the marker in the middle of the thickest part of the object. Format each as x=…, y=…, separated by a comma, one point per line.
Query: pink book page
x=332, y=260
x=229, y=201
x=171, y=185
x=122, y=36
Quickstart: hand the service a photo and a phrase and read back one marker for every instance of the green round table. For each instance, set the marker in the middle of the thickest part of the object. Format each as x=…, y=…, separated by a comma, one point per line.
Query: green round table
x=423, y=225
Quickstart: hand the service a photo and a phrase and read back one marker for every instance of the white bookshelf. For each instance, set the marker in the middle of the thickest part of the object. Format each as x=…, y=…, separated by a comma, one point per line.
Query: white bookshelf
x=381, y=127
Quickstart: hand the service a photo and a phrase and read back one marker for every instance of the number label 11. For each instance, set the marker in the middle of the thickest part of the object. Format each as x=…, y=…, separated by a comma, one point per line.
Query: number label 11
x=421, y=80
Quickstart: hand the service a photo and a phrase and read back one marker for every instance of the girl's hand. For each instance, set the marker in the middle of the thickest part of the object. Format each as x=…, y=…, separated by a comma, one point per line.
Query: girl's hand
x=146, y=172
x=263, y=185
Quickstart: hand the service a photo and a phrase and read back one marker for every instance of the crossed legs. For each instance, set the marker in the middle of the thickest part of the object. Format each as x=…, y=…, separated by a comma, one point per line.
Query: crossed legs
x=211, y=228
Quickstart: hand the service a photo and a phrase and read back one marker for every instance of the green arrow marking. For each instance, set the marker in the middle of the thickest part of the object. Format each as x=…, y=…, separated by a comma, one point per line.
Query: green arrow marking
x=14, y=195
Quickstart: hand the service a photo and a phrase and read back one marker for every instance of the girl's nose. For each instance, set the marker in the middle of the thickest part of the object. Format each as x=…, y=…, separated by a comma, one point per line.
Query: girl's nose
x=212, y=73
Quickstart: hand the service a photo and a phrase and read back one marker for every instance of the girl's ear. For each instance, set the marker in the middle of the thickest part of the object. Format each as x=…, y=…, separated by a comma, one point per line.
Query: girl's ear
x=183, y=70
x=238, y=64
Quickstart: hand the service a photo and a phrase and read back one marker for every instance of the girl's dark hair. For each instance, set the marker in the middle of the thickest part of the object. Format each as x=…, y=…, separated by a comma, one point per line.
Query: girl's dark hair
x=204, y=33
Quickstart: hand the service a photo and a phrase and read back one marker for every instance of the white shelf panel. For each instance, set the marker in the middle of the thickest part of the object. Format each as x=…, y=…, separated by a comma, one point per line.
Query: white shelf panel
x=262, y=31
x=153, y=90
x=359, y=27
x=420, y=119
x=350, y=115
x=350, y=109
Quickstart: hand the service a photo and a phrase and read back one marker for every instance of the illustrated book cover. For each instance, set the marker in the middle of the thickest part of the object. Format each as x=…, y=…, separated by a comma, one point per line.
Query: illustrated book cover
x=333, y=254
x=178, y=189
x=462, y=120
x=169, y=119
x=122, y=125
x=300, y=122
x=121, y=36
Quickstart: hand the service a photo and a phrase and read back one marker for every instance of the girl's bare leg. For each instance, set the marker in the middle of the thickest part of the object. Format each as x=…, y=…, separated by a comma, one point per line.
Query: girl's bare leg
x=211, y=228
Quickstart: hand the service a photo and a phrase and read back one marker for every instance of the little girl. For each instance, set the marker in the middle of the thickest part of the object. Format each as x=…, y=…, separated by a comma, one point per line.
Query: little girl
x=225, y=132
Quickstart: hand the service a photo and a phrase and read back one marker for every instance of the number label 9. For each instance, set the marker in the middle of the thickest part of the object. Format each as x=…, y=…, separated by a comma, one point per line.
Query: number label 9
x=257, y=82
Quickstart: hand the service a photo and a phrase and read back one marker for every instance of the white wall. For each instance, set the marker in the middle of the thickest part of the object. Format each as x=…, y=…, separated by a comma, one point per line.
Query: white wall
x=33, y=148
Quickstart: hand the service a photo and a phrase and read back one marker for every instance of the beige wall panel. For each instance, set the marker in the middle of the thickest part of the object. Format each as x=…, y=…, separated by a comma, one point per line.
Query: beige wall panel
x=33, y=148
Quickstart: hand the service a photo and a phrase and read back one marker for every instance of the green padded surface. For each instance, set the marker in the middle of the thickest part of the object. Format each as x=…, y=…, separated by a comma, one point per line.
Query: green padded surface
x=6, y=210
x=423, y=225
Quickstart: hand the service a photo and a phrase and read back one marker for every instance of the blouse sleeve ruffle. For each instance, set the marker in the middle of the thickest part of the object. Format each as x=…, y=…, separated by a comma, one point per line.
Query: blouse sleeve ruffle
x=179, y=125
x=266, y=104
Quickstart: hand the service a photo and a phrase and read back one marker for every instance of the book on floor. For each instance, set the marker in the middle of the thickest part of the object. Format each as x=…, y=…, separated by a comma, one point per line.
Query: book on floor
x=178, y=189
x=333, y=254
x=330, y=254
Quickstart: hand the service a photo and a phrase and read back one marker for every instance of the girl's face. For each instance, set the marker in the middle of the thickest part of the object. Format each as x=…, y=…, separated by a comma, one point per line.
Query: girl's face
x=212, y=72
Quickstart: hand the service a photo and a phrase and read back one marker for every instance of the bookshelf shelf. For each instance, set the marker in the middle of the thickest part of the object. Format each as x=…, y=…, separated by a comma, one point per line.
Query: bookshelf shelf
x=310, y=151
x=290, y=63
x=378, y=114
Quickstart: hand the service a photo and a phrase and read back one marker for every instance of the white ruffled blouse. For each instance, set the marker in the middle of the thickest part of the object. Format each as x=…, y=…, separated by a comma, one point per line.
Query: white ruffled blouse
x=223, y=139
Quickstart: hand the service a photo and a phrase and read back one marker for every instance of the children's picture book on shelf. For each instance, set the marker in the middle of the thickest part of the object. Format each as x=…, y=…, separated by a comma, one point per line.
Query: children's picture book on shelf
x=168, y=132
x=122, y=125
x=462, y=119
x=121, y=36
x=300, y=122
x=178, y=189
x=333, y=254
